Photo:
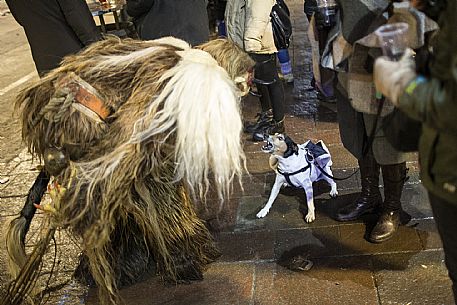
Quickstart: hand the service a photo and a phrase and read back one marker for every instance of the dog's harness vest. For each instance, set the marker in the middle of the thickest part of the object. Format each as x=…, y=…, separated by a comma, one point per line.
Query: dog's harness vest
x=287, y=175
x=312, y=151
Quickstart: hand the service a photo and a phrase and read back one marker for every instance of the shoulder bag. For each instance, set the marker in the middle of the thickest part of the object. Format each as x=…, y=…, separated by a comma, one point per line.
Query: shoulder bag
x=281, y=24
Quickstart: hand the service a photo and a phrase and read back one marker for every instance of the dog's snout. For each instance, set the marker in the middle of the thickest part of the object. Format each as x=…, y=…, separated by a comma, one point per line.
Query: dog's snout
x=265, y=136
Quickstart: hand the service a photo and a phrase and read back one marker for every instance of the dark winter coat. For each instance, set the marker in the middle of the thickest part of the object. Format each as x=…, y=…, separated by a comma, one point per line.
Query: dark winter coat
x=434, y=103
x=184, y=19
x=54, y=28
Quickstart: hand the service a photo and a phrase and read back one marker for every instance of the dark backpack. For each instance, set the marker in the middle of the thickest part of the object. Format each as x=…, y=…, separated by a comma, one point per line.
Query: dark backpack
x=282, y=26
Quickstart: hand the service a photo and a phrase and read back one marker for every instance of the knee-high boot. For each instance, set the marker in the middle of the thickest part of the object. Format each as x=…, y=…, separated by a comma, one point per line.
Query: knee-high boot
x=394, y=178
x=370, y=197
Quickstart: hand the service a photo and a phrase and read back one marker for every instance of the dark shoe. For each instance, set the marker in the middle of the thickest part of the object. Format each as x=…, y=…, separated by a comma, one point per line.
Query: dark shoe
x=271, y=129
x=394, y=177
x=363, y=205
x=263, y=119
x=386, y=226
x=370, y=197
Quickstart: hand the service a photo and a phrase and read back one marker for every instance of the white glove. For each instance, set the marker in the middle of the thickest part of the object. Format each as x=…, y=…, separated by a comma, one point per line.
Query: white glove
x=392, y=77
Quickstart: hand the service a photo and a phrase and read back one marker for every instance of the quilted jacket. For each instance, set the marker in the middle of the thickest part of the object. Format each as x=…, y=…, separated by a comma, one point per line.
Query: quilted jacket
x=249, y=26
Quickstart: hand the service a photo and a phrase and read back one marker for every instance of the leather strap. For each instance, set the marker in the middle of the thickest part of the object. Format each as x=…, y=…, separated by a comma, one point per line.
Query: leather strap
x=84, y=94
x=91, y=101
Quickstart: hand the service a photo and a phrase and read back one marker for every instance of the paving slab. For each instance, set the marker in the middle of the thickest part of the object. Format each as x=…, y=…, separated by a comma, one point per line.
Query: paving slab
x=246, y=246
x=308, y=243
x=353, y=242
x=415, y=201
x=340, y=281
x=416, y=279
x=428, y=234
x=224, y=284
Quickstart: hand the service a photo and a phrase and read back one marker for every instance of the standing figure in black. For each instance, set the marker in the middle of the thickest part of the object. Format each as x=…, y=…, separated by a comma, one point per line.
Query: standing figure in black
x=186, y=20
x=54, y=29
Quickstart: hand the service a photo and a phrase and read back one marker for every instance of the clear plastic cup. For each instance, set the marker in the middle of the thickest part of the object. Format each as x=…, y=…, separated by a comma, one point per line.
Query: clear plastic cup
x=393, y=39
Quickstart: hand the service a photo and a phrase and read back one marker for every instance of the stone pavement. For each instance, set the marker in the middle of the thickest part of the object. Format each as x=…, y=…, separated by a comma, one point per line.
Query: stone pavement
x=257, y=253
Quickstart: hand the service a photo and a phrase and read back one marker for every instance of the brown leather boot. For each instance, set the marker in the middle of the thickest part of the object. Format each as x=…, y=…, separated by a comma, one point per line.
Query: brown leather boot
x=370, y=197
x=394, y=178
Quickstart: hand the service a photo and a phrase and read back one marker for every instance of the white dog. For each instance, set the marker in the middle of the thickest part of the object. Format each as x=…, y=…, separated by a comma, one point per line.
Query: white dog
x=300, y=166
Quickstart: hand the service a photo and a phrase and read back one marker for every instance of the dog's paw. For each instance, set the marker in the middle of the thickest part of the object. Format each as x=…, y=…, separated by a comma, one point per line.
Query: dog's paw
x=310, y=217
x=262, y=213
x=333, y=193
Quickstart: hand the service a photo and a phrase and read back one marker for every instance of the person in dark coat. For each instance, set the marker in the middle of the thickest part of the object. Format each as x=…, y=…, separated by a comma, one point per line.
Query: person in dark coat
x=431, y=98
x=54, y=28
x=185, y=19
x=356, y=125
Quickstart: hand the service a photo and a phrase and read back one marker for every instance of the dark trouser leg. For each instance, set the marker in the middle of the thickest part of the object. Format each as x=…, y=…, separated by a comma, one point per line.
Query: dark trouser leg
x=265, y=102
x=328, y=76
x=271, y=94
x=445, y=214
x=309, y=7
x=394, y=176
x=370, y=197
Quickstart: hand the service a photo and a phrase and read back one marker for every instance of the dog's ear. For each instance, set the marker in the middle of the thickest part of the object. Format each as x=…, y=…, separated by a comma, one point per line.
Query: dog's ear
x=292, y=147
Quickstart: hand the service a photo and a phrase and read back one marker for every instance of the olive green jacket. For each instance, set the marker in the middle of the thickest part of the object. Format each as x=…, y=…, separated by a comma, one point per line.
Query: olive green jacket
x=434, y=103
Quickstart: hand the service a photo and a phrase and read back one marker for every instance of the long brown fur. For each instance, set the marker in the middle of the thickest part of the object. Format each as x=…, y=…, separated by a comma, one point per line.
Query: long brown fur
x=140, y=213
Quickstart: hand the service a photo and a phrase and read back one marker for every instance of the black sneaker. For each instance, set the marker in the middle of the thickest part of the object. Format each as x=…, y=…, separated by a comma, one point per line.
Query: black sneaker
x=263, y=119
x=271, y=129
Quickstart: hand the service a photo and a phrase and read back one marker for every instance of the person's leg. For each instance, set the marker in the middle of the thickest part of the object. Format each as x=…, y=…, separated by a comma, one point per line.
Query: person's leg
x=309, y=7
x=262, y=74
x=266, y=115
x=445, y=214
x=370, y=197
x=393, y=167
x=273, y=92
x=327, y=76
x=393, y=176
x=276, y=91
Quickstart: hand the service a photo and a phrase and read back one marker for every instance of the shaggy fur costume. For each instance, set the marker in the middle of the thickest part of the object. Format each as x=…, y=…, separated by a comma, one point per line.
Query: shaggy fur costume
x=127, y=181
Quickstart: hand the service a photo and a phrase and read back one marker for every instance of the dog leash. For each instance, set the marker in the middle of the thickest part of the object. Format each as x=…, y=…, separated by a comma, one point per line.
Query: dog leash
x=335, y=178
x=287, y=175
x=368, y=145
x=364, y=152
